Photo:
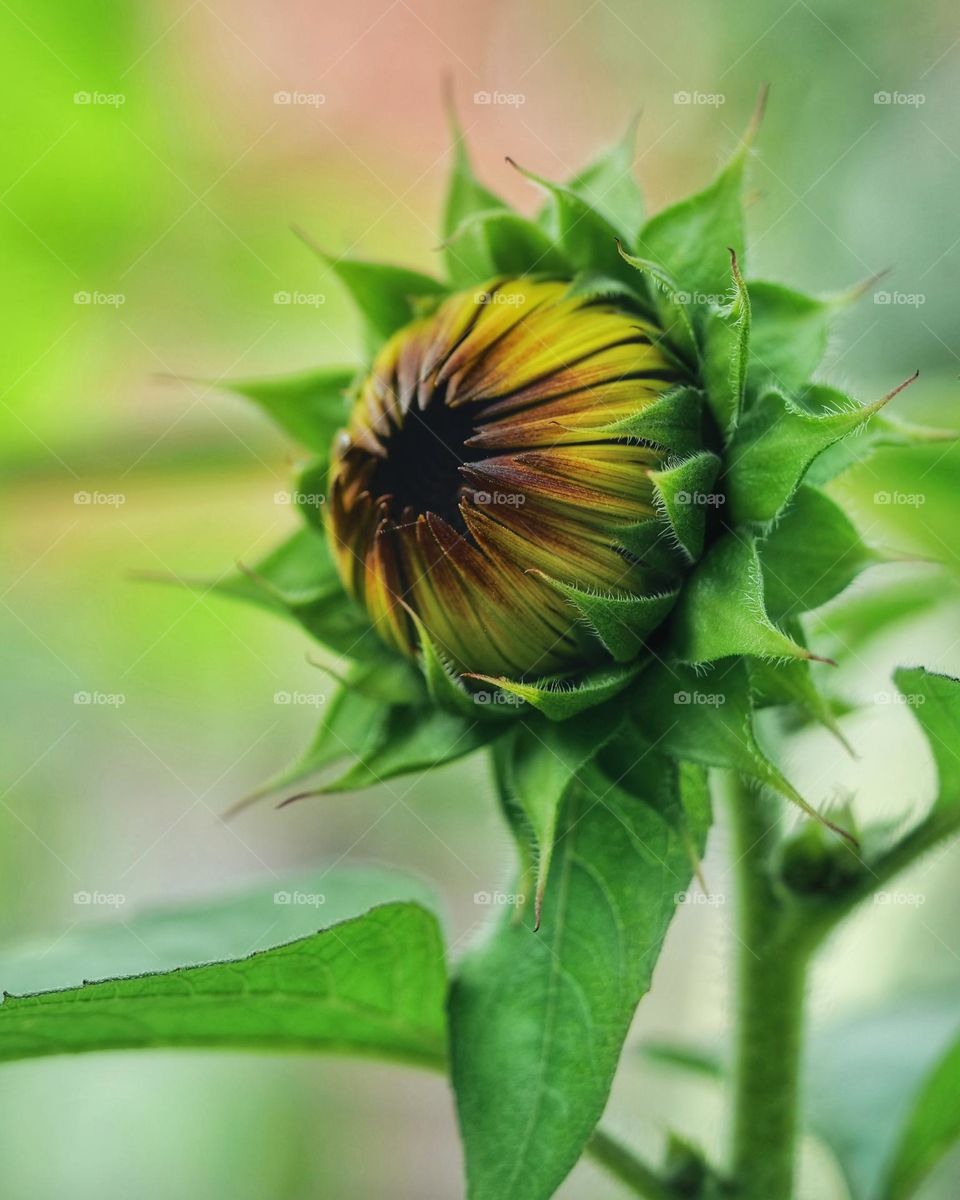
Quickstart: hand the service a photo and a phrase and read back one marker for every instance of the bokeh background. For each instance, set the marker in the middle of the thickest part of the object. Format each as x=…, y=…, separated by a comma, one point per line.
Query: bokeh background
x=148, y=183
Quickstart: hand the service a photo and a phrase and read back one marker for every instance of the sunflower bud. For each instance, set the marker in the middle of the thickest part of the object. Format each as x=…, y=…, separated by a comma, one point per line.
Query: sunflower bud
x=479, y=468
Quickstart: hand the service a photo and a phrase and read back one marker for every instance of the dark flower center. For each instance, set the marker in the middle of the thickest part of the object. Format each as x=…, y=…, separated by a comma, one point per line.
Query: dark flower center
x=424, y=454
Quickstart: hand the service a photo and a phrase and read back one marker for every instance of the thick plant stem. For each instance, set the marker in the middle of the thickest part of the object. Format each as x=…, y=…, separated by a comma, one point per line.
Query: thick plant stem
x=771, y=978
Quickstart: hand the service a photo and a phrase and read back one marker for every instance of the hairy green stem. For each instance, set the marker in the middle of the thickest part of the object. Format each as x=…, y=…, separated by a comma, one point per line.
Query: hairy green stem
x=771, y=980
x=625, y=1166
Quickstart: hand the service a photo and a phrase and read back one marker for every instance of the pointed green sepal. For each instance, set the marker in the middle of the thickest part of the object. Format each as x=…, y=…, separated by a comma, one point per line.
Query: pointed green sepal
x=669, y=301
x=587, y=240
x=310, y=406
x=541, y=762
x=509, y=245
x=788, y=337
x=386, y=295
x=299, y=580
x=692, y=240
x=812, y=553
x=621, y=622
x=778, y=440
x=721, y=609
x=726, y=347
x=559, y=700
x=708, y=719
x=412, y=739
x=673, y=421
x=609, y=186
x=684, y=494
x=467, y=257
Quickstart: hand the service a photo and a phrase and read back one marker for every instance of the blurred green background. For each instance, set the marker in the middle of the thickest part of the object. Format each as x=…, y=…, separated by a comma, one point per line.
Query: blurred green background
x=149, y=180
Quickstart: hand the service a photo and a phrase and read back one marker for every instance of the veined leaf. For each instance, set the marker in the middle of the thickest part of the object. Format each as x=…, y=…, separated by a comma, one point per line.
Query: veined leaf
x=801, y=572
x=539, y=763
x=370, y=984
x=538, y=1019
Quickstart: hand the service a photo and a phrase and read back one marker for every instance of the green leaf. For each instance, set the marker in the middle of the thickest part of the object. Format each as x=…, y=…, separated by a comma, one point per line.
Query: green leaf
x=510, y=244
x=353, y=721
x=311, y=406
x=706, y=719
x=412, y=739
x=792, y=683
x=372, y=984
x=726, y=347
x=539, y=764
x=721, y=609
x=538, y=1019
x=674, y=421
x=561, y=699
x=386, y=295
x=788, y=336
x=670, y=304
x=621, y=622
x=299, y=580
x=883, y=433
x=585, y=237
x=609, y=187
x=467, y=258
x=690, y=240
x=778, y=440
x=935, y=702
x=870, y=1081
x=684, y=493
x=932, y=1129
x=811, y=554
